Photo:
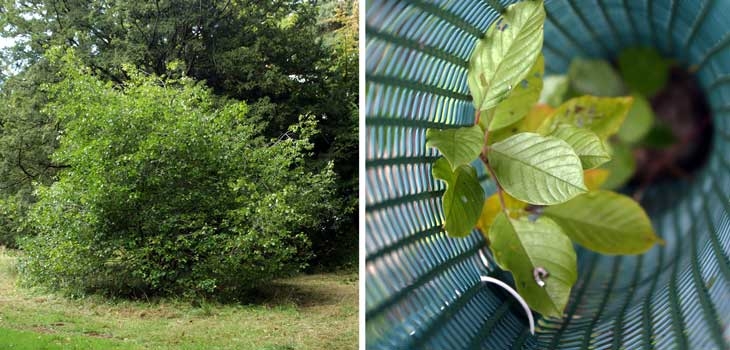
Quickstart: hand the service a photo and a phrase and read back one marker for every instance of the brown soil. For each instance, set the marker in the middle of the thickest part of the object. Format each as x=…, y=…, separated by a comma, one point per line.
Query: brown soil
x=680, y=106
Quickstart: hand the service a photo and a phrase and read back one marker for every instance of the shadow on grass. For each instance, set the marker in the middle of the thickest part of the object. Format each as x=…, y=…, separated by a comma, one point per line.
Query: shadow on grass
x=302, y=293
x=299, y=291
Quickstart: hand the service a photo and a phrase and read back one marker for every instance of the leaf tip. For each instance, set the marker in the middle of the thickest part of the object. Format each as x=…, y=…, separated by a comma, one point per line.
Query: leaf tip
x=553, y=311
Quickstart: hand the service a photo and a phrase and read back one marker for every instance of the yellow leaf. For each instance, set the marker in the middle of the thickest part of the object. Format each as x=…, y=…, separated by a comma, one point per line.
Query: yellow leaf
x=492, y=207
x=594, y=178
x=535, y=117
x=602, y=115
x=489, y=211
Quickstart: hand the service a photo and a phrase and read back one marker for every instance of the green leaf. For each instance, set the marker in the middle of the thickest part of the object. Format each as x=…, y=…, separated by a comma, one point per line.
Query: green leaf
x=605, y=222
x=621, y=167
x=536, y=169
x=520, y=246
x=595, y=77
x=459, y=146
x=659, y=137
x=586, y=144
x=644, y=70
x=555, y=89
x=638, y=122
x=503, y=58
x=522, y=98
x=602, y=115
x=463, y=198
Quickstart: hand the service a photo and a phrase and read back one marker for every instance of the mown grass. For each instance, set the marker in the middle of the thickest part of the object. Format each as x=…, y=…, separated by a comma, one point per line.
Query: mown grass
x=30, y=340
x=305, y=312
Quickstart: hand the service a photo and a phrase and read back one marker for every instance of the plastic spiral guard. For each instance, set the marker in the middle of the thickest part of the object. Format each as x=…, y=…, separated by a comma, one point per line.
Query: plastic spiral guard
x=423, y=289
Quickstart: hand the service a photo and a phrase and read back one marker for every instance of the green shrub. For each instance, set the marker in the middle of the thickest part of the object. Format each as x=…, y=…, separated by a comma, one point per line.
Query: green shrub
x=169, y=191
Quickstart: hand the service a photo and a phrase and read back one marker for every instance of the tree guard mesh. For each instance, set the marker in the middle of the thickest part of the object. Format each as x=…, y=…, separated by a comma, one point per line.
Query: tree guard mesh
x=422, y=287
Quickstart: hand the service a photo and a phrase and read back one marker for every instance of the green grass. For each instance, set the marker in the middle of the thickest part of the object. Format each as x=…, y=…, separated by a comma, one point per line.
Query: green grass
x=29, y=340
x=305, y=312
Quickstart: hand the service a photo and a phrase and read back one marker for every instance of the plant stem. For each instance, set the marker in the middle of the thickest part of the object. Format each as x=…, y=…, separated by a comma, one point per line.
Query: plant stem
x=485, y=159
x=499, y=189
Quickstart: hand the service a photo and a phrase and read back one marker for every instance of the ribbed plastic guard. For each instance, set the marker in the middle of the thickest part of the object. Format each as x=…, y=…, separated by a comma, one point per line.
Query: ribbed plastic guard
x=423, y=288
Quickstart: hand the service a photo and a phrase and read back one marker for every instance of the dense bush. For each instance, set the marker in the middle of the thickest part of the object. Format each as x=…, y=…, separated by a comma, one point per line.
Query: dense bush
x=169, y=191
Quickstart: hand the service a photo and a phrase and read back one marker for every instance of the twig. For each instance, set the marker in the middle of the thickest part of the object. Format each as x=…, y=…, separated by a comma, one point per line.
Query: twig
x=485, y=159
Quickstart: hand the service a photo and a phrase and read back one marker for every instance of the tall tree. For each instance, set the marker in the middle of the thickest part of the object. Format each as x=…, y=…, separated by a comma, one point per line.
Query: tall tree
x=258, y=51
x=338, y=23
x=28, y=137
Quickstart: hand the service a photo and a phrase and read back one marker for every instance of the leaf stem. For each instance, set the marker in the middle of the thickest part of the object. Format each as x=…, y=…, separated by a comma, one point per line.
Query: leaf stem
x=485, y=159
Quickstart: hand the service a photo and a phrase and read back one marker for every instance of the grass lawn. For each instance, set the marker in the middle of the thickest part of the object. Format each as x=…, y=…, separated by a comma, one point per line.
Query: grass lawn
x=305, y=312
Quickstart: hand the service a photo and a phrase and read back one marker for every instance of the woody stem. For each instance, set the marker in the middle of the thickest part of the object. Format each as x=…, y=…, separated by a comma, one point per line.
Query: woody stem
x=484, y=157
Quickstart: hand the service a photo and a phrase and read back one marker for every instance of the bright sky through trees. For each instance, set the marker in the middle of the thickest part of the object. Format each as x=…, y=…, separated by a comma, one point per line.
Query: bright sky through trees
x=5, y=42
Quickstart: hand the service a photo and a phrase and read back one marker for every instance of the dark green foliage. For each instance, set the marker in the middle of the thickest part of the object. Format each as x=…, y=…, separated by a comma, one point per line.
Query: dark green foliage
x=644, y=70
x=13, y=210
x=27, y=139
x=170, y=190
x=338, y=139
x=263, y=52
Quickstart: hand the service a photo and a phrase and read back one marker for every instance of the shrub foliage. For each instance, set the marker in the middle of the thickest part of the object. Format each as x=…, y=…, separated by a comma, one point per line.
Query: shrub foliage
x=168, y=190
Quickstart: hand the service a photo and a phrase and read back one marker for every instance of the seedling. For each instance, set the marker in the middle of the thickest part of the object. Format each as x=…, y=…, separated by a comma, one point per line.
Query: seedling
x=544, y=162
